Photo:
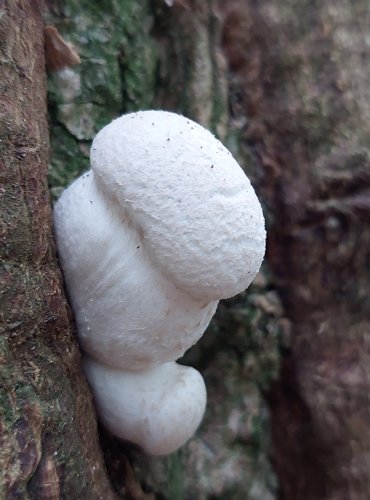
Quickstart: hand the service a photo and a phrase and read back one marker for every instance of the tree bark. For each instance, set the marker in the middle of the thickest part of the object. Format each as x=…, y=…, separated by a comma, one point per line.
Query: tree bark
x=289, y=96
x=302, y=70
x=48, y=439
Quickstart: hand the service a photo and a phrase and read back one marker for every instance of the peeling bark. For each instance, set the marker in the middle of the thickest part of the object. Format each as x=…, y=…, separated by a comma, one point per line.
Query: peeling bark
x=48, y=438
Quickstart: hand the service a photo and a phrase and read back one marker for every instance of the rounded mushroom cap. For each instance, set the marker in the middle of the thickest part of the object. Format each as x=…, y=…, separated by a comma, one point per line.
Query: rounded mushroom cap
x=195, y=209
x=159, y=409
x=128, y=314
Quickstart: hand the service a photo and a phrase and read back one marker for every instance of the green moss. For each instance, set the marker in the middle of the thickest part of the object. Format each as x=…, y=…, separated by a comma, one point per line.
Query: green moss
x=175, y=471
x=244, y=328
x=116, y=75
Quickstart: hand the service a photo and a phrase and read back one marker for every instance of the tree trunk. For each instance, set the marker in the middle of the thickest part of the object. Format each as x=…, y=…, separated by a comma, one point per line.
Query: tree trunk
x=284, y=84
x=48, y=440
x=303, y=71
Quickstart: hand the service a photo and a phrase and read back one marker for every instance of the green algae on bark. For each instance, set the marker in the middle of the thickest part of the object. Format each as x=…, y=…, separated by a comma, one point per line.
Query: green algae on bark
x=116, y=75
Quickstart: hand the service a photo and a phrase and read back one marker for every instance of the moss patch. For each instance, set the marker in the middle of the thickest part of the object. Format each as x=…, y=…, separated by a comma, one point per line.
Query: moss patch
x=116, y=75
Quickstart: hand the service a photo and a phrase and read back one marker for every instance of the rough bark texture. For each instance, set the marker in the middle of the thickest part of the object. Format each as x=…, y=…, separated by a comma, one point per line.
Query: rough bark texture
x=48, y=439
x=157, y=56
x=182, y=60
x=289, y=96
x=302, y=71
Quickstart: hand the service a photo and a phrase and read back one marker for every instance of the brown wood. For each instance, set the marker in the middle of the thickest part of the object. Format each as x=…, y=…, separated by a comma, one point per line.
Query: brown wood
x=48, y=440
x=301, y=72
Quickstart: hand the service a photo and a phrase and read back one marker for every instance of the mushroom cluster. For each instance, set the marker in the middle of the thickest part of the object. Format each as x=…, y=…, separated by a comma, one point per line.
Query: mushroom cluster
x=162, y=227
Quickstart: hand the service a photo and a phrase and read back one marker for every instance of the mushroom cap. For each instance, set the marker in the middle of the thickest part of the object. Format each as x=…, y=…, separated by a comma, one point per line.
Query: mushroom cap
x=128, y=314
x=159, y=409
x=195, y=209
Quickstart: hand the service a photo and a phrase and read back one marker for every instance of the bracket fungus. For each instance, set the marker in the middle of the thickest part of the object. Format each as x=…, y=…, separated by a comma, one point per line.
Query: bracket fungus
x=162, y=227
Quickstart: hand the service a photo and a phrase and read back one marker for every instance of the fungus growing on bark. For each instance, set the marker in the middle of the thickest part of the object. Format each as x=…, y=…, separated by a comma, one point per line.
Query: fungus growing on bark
x=158, y=408
x=164, y=226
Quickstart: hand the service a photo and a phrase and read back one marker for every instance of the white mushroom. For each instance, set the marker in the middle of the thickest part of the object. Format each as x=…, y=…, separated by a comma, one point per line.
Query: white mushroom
x=164, y=225
x=158, y=408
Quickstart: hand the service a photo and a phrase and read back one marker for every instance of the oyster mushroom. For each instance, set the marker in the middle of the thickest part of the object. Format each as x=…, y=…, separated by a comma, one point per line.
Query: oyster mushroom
x=162, y=227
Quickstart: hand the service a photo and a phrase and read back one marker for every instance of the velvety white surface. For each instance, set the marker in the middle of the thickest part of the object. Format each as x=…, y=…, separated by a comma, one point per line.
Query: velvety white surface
x=128, y=314
x=164, y=225
x=159, y=409
x=197, y=213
